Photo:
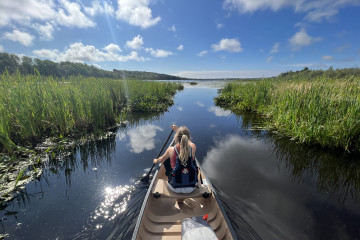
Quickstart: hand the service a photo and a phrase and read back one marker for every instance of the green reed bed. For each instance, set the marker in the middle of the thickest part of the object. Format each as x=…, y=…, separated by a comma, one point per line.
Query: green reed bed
x=34, y=107
x=321, y=110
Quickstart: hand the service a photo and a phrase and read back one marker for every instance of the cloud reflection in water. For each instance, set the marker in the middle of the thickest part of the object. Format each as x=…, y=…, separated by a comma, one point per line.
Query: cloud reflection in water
x=219, y=112
x=260, y=194
x=143, y=138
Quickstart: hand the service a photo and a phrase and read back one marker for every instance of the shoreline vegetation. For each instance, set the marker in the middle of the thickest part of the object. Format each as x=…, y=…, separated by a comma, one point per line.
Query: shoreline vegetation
x=35, y=108
x=314, y=107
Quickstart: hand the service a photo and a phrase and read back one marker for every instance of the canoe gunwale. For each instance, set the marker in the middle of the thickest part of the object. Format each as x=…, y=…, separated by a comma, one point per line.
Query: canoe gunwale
x=145, y=202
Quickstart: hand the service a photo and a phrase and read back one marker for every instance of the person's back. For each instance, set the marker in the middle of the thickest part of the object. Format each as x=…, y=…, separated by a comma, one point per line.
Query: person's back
x=183, y=178
x=180, y=163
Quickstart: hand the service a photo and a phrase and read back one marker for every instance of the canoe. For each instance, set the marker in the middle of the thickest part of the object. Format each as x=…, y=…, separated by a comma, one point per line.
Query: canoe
x=163, y=211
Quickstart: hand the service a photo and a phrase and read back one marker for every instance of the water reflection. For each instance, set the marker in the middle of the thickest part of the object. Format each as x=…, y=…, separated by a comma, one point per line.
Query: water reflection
x=143, y=137
x=271, y=187
x=219, y=112
x=115, y=202
x=200, y=104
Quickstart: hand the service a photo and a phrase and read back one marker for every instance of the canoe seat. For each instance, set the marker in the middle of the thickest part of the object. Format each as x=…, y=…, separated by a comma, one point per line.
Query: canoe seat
x=161, y=189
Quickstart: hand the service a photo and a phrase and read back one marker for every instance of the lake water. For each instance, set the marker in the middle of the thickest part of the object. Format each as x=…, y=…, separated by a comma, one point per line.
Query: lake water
x=271, y=187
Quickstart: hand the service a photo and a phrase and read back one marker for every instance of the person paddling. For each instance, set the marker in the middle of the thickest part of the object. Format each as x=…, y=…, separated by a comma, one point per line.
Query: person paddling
x=179, y=162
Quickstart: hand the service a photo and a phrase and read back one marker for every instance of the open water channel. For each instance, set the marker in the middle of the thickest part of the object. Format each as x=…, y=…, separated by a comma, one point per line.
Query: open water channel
x=271, y=188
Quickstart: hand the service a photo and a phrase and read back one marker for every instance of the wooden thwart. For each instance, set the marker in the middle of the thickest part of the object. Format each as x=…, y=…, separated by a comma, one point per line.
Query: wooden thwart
x=161, y=189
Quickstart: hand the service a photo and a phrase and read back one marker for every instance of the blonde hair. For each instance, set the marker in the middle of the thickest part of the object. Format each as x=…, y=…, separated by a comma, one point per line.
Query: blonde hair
x=182, y=137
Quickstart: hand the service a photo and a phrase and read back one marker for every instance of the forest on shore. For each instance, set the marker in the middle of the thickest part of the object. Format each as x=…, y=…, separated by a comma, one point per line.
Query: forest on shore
x=24, y=65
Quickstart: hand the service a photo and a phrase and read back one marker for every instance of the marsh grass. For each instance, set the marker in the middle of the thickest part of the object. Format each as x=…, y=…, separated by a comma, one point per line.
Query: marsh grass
x=33, y=107
x=321, y=110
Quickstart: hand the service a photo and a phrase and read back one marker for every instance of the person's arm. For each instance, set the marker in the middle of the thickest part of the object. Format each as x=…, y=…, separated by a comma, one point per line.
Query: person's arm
x=193, y=147
x=163, y=157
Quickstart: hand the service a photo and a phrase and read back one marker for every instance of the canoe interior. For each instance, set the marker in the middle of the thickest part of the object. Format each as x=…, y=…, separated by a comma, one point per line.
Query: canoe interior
x=162, y=217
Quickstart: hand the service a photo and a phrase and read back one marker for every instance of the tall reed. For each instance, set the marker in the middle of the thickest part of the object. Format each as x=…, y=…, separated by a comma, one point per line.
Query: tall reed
x=33, y=106
x=321, y=110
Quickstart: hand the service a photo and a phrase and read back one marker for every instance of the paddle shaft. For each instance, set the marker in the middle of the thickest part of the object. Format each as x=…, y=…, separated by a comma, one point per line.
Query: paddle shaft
x=160, y=152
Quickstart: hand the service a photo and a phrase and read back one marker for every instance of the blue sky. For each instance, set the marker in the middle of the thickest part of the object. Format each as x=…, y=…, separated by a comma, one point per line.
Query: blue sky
x=190, y=38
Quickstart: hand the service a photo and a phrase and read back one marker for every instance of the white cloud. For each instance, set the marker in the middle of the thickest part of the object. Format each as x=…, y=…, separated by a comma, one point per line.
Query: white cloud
x=219, y=112
x=13, y=11
x=158, y=52
x=77, y=52
x=96, y=8
x=112, y=48
x=327, y=57
x=230, y=45
x=136, y=43
x=219, y=26
x=24, y=38
x=136, y=12
x=180, y=47
x=172, y=28
x=72, y=16
x=51, y=54
x=45, y=31
x=275, y=48
x=269, y=59
x=315, y=10
x=301, y=39
x=1, y=48
x=202, y=53
x=180, y=108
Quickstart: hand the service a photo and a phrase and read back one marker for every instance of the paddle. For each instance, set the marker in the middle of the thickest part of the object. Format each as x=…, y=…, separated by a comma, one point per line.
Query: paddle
x=146, y=177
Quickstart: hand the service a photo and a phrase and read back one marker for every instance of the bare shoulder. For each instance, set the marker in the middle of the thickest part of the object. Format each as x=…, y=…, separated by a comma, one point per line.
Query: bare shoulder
x=193, y=146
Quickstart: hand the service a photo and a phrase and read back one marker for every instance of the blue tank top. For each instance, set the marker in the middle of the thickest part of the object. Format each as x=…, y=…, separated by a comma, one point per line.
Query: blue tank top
x=184, y=175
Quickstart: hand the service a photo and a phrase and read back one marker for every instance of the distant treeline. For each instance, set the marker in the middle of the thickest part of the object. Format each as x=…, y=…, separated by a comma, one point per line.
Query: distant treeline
x=306, y=73
x=25, y=65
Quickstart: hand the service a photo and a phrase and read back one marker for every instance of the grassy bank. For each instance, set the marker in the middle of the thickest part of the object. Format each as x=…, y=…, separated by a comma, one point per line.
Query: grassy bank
x=323, y=109
x=34, y=107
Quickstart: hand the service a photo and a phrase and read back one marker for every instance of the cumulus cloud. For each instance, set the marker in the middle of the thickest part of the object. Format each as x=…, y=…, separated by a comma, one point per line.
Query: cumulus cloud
x=315, y=10
x=98, y=8
x=219, y=25
x=12, y=11
x=158, y=52
x=301, y=39
x=72, y=15
x=136, y=12
x=136, y=43
x=275, y=48
x=202, y=53
x=180, y=47
x=45, y=31
x=24, y=38
x=1, y=48
x=327, y=57
x=230, y=45
x=112, y=48
x=78, y=52
x=47, y=53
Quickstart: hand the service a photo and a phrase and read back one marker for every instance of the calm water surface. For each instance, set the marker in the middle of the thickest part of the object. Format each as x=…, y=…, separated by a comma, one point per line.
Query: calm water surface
x=271, y=188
